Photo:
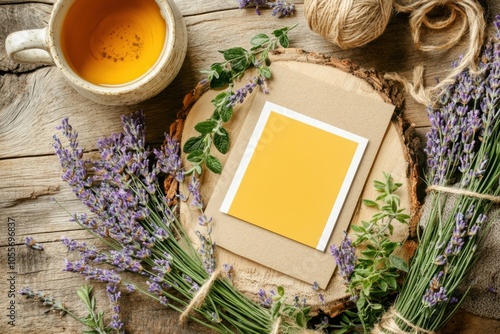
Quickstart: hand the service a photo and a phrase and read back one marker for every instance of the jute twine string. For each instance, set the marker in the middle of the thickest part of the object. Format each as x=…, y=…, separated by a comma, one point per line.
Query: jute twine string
x=471, y=14
x=348, y=23
x=200, y=296
x=353, y=23
x=464, y=192
x=388, y=325
x=276, y=326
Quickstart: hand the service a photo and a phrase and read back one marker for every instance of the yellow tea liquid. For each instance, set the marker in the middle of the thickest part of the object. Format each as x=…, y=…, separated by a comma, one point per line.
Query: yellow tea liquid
x=112, y=42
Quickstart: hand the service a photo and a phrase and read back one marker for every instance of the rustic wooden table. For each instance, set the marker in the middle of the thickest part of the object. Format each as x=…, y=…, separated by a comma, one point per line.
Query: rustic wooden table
x=34, y=99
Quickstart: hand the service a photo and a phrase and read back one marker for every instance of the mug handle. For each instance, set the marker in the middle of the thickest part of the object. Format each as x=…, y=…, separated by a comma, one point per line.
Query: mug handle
x=29, y=46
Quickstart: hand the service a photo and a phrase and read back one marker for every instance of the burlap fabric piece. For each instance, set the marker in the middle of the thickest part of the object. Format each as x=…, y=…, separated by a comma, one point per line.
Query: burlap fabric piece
x=484, y=296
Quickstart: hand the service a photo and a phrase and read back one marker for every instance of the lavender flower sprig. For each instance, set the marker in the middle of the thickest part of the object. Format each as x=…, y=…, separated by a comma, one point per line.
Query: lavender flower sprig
x=253, y=3
x=281, y=8
x=345, y=257
x=31, y=243
x=463, y=152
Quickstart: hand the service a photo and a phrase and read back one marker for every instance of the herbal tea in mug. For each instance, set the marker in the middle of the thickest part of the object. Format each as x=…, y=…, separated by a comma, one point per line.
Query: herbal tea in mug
x=112, y=42
x=114, y=52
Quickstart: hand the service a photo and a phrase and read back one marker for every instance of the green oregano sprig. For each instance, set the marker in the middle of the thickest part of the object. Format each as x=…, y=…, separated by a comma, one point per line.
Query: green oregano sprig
x=236, y=62
x=372, y=280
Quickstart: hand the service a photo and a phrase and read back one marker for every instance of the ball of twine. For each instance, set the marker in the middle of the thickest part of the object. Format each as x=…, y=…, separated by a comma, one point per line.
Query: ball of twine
x=353, y=23
x=348, y=23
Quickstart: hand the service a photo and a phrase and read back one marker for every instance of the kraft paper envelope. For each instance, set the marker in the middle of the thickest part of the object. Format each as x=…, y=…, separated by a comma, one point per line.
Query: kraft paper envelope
x=332, y=133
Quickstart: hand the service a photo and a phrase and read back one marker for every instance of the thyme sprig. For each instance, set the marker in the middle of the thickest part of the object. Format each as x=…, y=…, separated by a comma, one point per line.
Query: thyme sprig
x=237, y=61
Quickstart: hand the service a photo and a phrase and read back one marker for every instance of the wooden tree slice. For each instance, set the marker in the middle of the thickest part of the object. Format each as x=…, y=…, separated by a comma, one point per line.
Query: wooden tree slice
x=397, y=156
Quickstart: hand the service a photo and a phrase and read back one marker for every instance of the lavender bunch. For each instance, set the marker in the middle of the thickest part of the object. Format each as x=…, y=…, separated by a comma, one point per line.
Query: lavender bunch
x=463, y=177
x=130, y=213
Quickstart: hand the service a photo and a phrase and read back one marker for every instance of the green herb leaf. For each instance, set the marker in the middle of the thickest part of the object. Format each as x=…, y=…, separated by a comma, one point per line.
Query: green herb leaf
x=370, y=203
x=383, y=285
x=398, y=263
x=239, y=66
x=281, y=291
x=369, y=253
x=361, y=302
x=221, y=141
x=301, y=320
x=358, y=229
x=278, y=32
x=205, y=127
x=283, y=39
x=195, y=157
x=259, y=39
x=367, y=285
x=265, y=72
x=235, y=53
x=391, y=281
x=225, y=113
x=221, y=77
x=214, y=164
x=84, y=294
x=220, y=99
x=193, y=144
x=275, y=308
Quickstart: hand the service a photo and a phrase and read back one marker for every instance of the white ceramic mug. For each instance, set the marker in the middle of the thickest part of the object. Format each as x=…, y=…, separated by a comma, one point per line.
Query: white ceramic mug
x=43, y=46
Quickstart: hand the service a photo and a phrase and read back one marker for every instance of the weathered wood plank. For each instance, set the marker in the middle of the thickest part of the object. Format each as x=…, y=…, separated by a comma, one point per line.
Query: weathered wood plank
x=34, y=104
x=191, y=7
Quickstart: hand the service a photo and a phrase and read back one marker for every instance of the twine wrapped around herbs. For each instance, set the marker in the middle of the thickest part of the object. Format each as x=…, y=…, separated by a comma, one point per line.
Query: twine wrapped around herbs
x=463, y=192
x=276, y=326
x=200, y=296
x=388, y=325
x=349, y=24
x=276, y=329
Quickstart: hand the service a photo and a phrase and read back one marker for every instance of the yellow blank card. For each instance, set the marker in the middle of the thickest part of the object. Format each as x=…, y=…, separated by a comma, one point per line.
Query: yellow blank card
x=294, y=176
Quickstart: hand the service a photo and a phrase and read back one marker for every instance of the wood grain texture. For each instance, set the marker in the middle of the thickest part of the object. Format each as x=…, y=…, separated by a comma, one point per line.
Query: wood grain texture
x=34, y=99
